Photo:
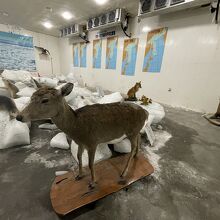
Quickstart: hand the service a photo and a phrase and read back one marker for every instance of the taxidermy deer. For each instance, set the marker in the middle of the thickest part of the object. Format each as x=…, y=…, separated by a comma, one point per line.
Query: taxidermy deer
x=87, y=126
x=132, y=92
x=10, y=87
x=7, y=104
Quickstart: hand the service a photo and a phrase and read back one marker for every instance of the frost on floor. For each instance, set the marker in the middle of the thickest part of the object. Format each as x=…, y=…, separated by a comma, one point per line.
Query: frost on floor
x=46, y=161
x=161, y=137
x=39, y=152
x=4, y=119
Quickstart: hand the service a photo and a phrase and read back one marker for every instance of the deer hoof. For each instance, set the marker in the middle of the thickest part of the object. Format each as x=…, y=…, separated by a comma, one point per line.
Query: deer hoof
x=77, y=178
x=92, y=185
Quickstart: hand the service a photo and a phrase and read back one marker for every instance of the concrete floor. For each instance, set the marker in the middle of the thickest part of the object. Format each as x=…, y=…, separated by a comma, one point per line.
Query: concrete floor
x=188, y=185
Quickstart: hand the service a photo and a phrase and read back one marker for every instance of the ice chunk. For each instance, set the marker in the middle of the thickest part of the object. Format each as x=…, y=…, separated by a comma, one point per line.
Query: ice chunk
x=102, y=152
x=71, y=78
x=59, y=173
x=27, y=92
x=114, y=97
x=60, y=141
x=16, y=133
x=123, y=147
x=46, y=81
x=155, y=110
x=47, y=126
x=17, y=75
x=20, y=85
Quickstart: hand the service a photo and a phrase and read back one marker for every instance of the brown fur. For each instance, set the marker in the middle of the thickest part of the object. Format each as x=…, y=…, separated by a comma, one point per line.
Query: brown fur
x=90, y=125
x=132, y=92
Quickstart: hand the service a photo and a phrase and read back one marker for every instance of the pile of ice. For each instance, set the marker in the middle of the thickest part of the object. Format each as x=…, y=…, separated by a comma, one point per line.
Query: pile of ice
x=21, y=102
x=60, y=141
x=17, y=75
x=79, y=97
x=102, y=153
x=12, y=132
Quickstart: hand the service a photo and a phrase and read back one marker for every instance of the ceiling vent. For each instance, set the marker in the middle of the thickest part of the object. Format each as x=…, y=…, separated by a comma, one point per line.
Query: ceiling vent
x=103, y=19
x=145, y=6
x=106, y=20
x=161, y=4
x=73, y=30
x=173, y=2
x=90, y=23
x=149, y=8
x=96, y=22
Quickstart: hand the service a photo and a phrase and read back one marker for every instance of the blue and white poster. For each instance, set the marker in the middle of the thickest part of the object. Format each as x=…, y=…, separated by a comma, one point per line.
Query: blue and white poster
x=97, y=53
x=129, y=56
x=16, y=52
x=75, y=55
x=83, y=48
x=153, y=56
x=111, y=53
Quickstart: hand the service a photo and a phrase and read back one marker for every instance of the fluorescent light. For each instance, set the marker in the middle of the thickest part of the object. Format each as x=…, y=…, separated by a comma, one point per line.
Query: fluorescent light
x=146, y=29
x=47, y=25
x=101, y=2
x=67, y=15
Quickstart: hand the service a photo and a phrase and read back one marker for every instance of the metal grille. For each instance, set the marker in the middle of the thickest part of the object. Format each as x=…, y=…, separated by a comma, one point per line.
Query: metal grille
x=66, y=31
x=173, y=2
x=96, y=22
x=90, y=23
x=111, y=16
x=103, y=19
x=69, y=30
x=160, y=4
x=146, y=6
x=73, y=29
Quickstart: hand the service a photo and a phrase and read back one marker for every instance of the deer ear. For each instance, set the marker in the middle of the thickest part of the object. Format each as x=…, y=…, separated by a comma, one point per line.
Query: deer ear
x=66, y=89
x=36, y=84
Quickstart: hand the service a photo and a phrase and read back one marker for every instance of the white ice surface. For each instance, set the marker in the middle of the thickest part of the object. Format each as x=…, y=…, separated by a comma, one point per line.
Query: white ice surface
x=102, y=153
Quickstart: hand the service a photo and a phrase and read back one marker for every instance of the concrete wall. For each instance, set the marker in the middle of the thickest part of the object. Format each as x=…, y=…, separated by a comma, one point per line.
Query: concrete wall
x=191, y=64
x=43, y=63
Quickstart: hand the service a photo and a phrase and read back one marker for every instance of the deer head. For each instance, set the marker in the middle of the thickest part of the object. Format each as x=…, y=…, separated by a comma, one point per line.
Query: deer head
x=45, y=103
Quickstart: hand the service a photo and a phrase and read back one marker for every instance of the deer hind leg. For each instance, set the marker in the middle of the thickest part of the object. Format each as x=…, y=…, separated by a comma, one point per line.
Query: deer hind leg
x=91, y=155
x=79, y=157
x=134, y=143
x=138, y=144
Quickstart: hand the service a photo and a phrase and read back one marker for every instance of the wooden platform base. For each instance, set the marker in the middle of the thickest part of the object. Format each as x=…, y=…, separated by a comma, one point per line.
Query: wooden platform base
x=214, y=121
x=67, y=194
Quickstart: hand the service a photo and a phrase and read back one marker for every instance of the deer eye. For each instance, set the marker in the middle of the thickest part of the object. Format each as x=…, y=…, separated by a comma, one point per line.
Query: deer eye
x=45, y=100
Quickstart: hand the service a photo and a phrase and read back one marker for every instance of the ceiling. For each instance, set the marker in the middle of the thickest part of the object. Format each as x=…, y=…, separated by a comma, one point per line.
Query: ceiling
x=30, y=14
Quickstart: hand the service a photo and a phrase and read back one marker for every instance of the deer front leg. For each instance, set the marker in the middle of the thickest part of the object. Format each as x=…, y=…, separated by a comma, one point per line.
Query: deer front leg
x=91, y=155
x=79, y=157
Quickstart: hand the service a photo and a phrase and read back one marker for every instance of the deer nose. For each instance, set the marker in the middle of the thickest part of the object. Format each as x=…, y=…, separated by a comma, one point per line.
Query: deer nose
x=19, y=117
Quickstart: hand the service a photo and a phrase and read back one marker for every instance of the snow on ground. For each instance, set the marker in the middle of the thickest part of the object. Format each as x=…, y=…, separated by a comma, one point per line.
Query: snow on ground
x=152, y=152
x=46, y=161
x=4, y=118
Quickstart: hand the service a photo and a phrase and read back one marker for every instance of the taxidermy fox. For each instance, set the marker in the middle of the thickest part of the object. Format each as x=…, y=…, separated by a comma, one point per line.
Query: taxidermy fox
x=145, y=100
x=7, y=104
x=11, y=87
x=132, y=92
